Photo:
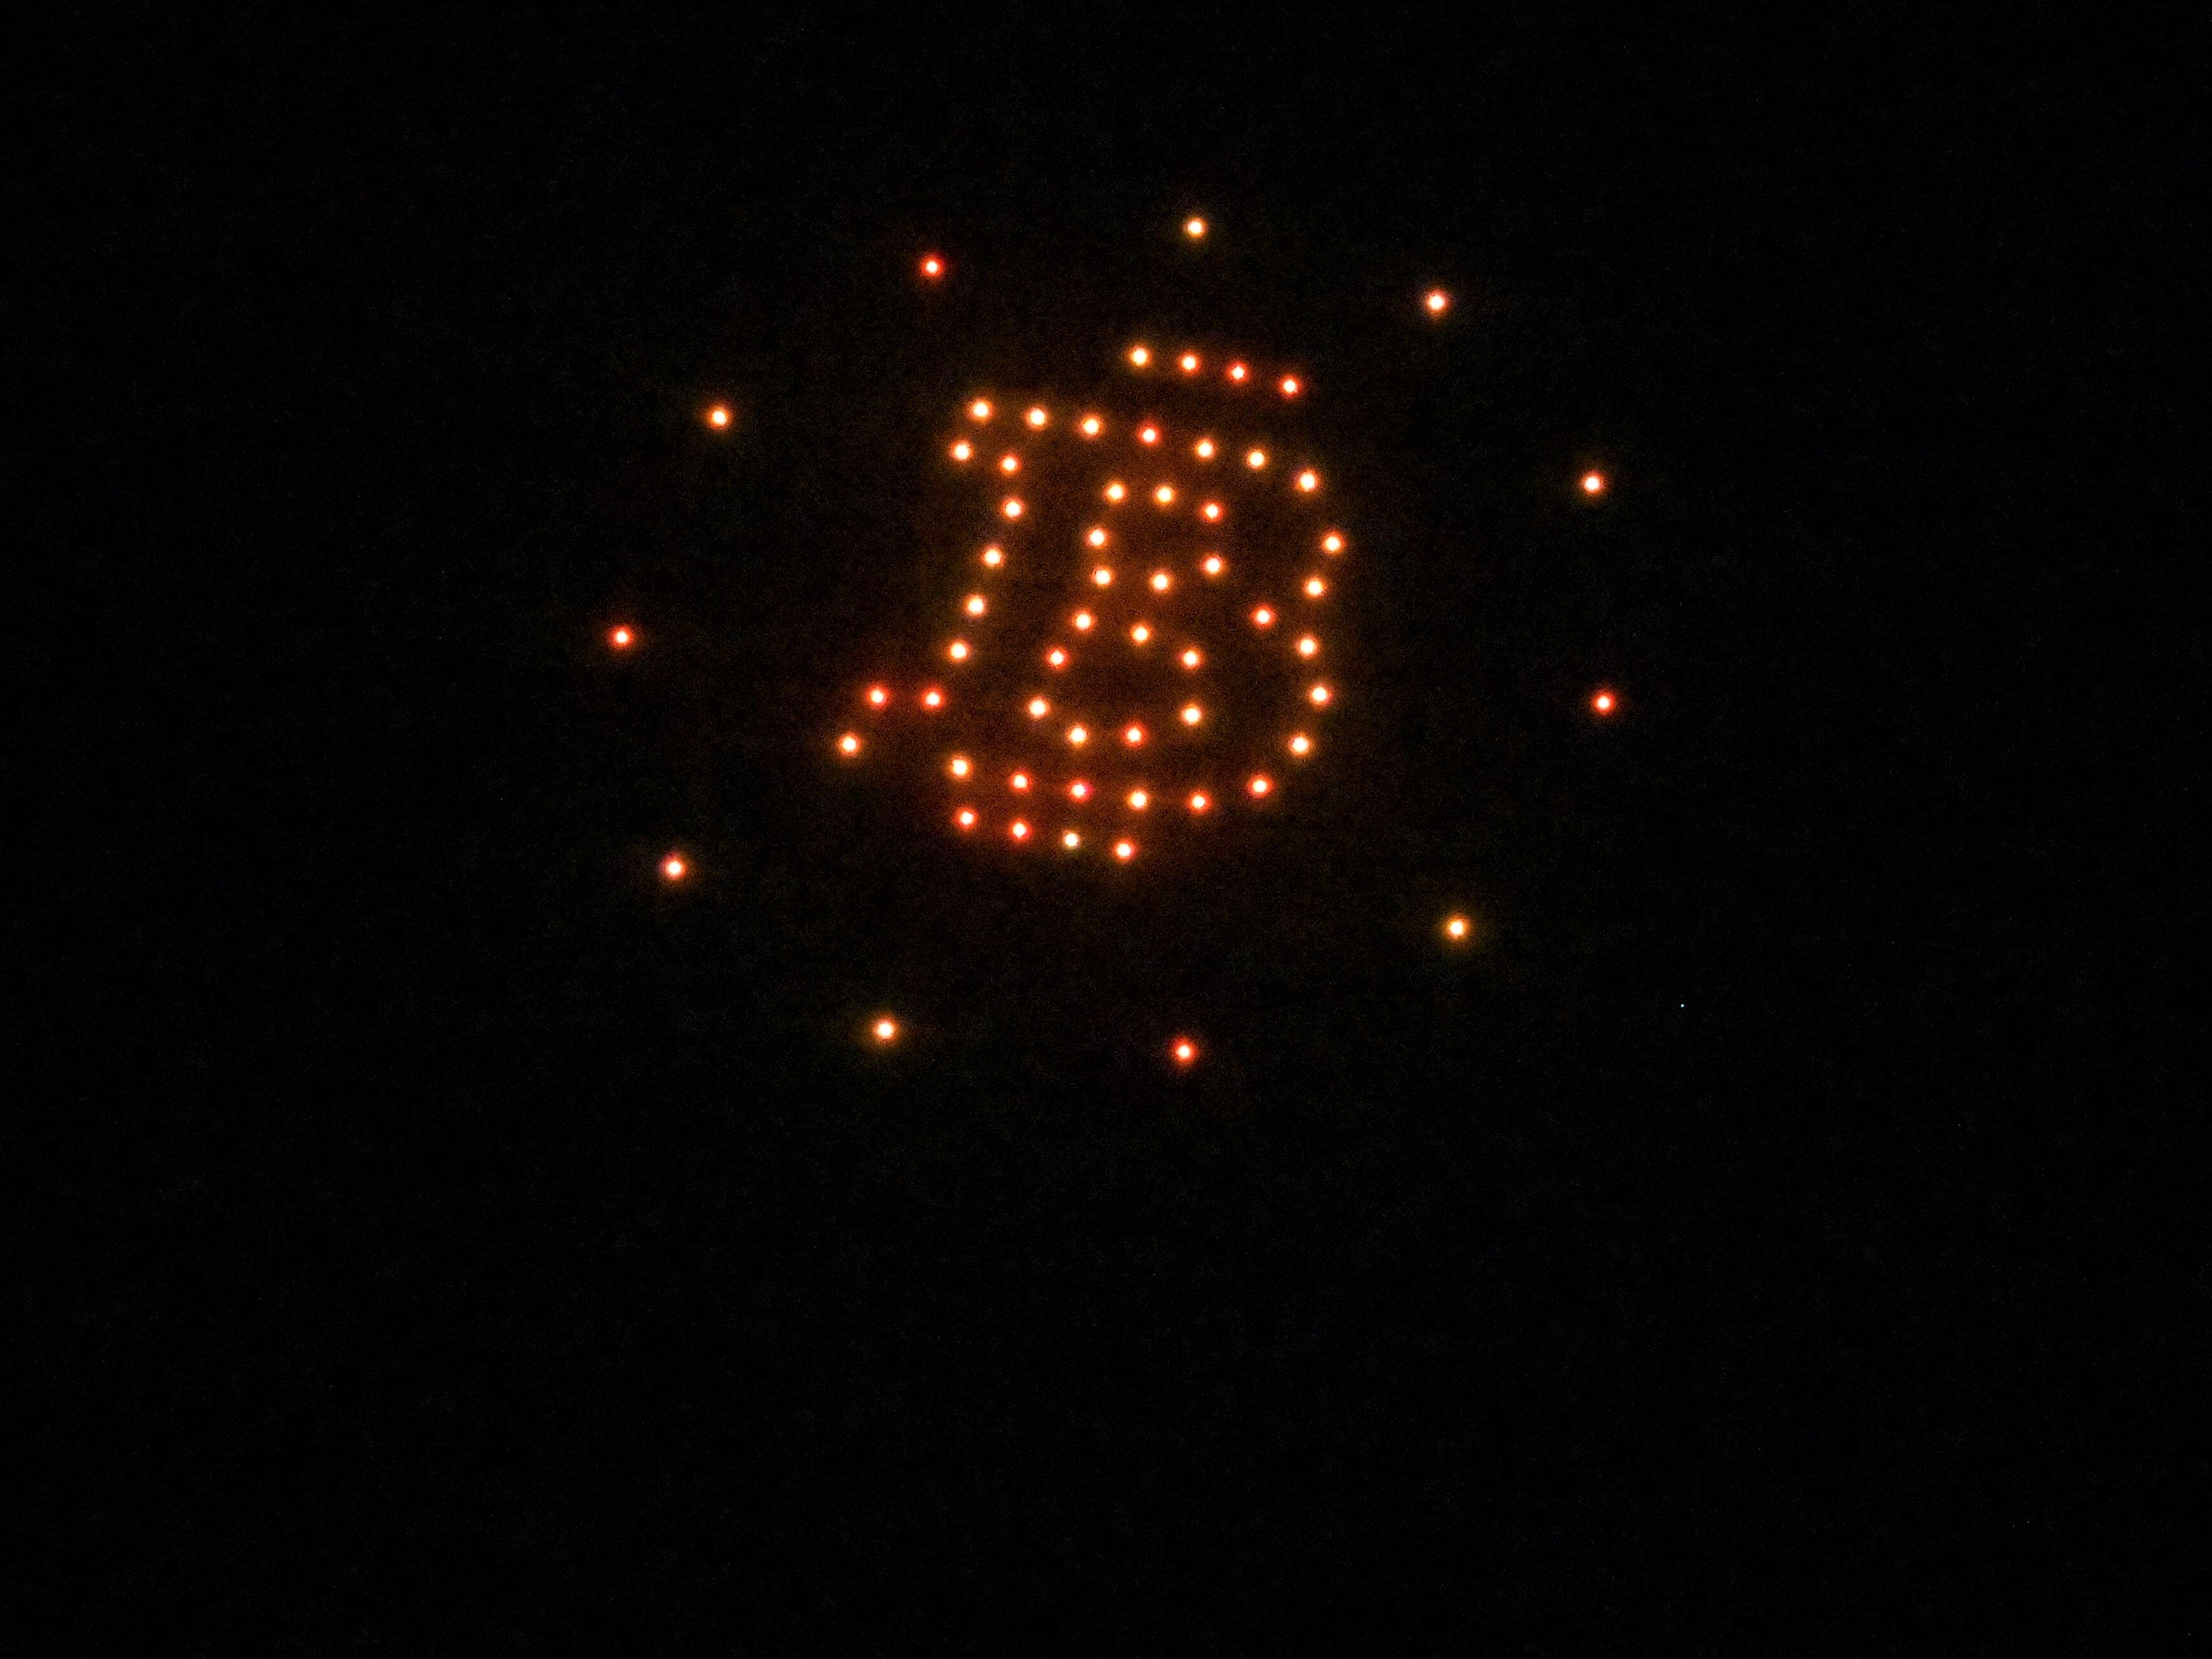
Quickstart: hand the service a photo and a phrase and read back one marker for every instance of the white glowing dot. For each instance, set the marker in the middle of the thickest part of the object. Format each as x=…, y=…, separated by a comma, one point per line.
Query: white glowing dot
x=1039, y=708
x=962, y=450
x=1092, y=426
x=1301, y=744
x=1211, y=512
x=979, y=410
x=958, y=766
x=1018, y=830
x=1456, y=927
x=1140, y=355
x=1082, y=619
x=1604, y=703
x=933, y=266
x=1185, y=1051
x=1308, y=646
x=1309, y=481
x=932, y=698
x=1071, y=841
x=1149, y=434
x=877, y=696
x=1139, y=799
x=849, y=744
x=1592, y=483
x=1193, y=228
x=1203, y=449
x=966, y=818
x=620, y=638
x=1212, y=564
x=1436, y=299
x=1103, y=576
x=1191, y=659
x=1162, y=581
x=885, y=1030
x=1199, y=803
x=1133, y=735
x=1237, y=373
x=958, y=651
x=1037, y=417
x=1012, y=509
x=974, y=606
x=1189, y=362
x=1290, y=386
x=1010, y=463
x=1141, y=633
x=1098, y=536
x=1114, y=491
x=1019, y=781
x=718, y=417
x=1260, y=785
x=1079, y=790
x=673, y=867
x=1192, y=713
x=1319, y=694
x=1256, y=458
x=1263, y=617
x=993, y=557
x=1316, y=587
x=1056, y=657
x=1124, y=850
x=1078, y=736
x=1332, y=543
x=1165, y=495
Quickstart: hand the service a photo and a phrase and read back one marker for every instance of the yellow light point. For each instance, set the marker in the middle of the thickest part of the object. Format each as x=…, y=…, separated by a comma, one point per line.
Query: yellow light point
x=932, y=698
x=877, y=696
x=1091, y=426
x=1437, y=301
x=1010, y=463
x=1012, y=509
x=1083, y=621
x=994, y=556
x=1098, y=536
x=1141, y=634
x=1309, y=481
x=1191, y=659
x=1124, y=850
x=1018, y=830
x=1116, y=490
x=974, y=606
x=1162, y=581
x=1308, y=646
x=1212, y=564
x=1256, y=459
x=1333, y=543
x=1039, y=708
x=849, y=744
x=1192, y=713
x=1139, y=800
x=1302, y=745
x=620, y=638
x=1203, y=449
x=1263, y=617
x=958, y=766
x=1183, y=1051
x=884, y=1030
x=1165, y=495
x=1456, y=928
x=1239, y=374
x=673, y=868
x=1316, y=587
x=932, y=266
x=962, y=450
x=958, y=651
x=1079, y=790
x=1018, y=782
x=1199, y=803
x=1140, y=355
x=1193, y=228
x=1319, y=697
x=1078, y=736
x=1592, y=483
x=966, y=818
x=1133, y=734
x=1056, y=657
x=1211, y=513
x=1103, y=576
x=1604, y=703
x=1260, y=785
x=979, y=410
x=1290, y=387
x=1187, y=363
x=718, y=416
x=1071, y=841
x=1148, y=435
x=1037, y=417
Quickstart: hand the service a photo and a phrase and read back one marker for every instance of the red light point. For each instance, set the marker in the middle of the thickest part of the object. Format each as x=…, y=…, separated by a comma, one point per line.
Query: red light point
x=621, y=639
x=1183, y=1052
x=719, y=417
x=1604, y=703
x=933, y=266
x=1594, y=483
x=673, y=867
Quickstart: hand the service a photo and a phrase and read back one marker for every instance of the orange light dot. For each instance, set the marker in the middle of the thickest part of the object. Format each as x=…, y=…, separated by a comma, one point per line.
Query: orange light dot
x=1079, y=790
x=933, y=266
x=1319, y=697
x=958, y=651
x=849, y=744
x=1084, y=619
x=1078, y=736
x=884, y=1030
x=718, y=416
x=1263, y=617
x=1133, y=735
x=1212, y=565
x=1456, y=927
x=962, y=450
x=1140, y=355
x=1189, y=362
x=1037, y=417
x=1091, y=426
x=1592, y=483
x=958, y=766
x=1012, y=509
x=1010, y=463
x=673, y=868
x=1056, y=657
x=1256, y=459
x=1148, y=435
x=1316, y=587
x=1199, y=803
x=1193, y=228
x=1019, y=781
x=1437, y=300
x=1018, y=830
x=1039, y=708
x=1309, y=481
x=994, y=556
x=1260, y=785
x=1139, y=799
x=1124, y=850
x=1301, y=744
x=1290, y=386
x=1071, y=841
x=966, y=818
x=1203, y=449
x=1103, y=576
x=1211, y=512
x=1191, y=659
x=1192, y=713
x=1141, y=633
x=1333, y=543
x=1165, y=495
x=932, y=698
x=1605, y=702
x=1184, y=1051
x=1098, y=536
x=979, y=410
x=1115, y=491
x=1238, y=373
x=975, y=606
x=877, y=696
x=1162, y=581
x=620, y=638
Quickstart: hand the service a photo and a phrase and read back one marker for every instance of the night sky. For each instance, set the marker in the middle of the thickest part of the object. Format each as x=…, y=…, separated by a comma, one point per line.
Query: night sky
x=459, y=1235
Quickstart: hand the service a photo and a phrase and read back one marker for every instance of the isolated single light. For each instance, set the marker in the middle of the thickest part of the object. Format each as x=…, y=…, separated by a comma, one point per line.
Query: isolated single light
x=1140, y=355
x=1018, y=830
x=1037, y=417
x=958, y=766
x=1457, y=928
x=975, y=606
x=1199, y=803
x=1079, y=790
x=1260, y=785
x=1012, y=508
x=1191, y=659
x=932, y=698
x=1192, y=713
x=979, y=410
x=1078, y=736
x=1263, y=617
x=1091, y=426
x=1592, y=483
x=1319, y=697
x=1290, y=386
x=1018, y=782
x=849, y=744
x=877, y=696
x=962, y=450
x=994, y=556
x=718, y=416
x=620, y=638
x=1139, y=800
x=1309, y=481
x=1203, y=449
x=1039, y=708
x=1187, y=363
x=1255, y=458
x=673, y=868
x=1301, y=744
x=1193, y=228
x=1070, y=840
x=1308, y=646
x=885, y=1029
x=1116, y=490
x=1316, y=587
x=1238, y=373
x=932, y=266
x=1333, y=543
x=1437, y=300
x=1056, y=657
x=1211, y=564
x=1124, y=850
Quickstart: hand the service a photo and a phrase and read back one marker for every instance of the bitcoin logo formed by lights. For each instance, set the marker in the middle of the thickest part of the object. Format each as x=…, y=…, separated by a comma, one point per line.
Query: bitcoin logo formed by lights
x=1139, y=579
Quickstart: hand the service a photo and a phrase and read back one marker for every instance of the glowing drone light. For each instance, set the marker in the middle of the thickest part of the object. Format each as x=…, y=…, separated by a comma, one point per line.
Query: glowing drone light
x=980, y=410
x=719, y=417
x=932, y=266
x=1140, y=355
x=620, y=638
x=849, y=744
x=1037, y=417
x=673, y=867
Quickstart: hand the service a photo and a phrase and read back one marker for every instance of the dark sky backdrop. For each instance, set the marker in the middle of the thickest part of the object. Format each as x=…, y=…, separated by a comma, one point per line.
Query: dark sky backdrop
x=464, y=1232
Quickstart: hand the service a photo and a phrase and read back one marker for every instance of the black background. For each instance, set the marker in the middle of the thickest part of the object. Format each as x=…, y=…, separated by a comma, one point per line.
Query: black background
x=457, y=1238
